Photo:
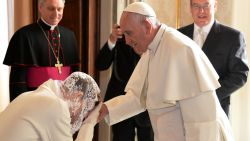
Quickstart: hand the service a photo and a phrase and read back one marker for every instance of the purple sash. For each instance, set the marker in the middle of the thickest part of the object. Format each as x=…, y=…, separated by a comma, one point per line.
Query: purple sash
x=37, y=75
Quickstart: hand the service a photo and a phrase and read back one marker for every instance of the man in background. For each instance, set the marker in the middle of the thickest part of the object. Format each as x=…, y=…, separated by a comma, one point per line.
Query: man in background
x=42, y=50
x=225, y=47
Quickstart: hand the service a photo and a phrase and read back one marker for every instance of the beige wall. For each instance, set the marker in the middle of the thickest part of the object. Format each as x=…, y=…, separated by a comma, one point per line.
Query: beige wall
x=240, y=101
x=105, y=28
x=23, y=13
x=4, y=70
x=165, y=10
x=172, y=11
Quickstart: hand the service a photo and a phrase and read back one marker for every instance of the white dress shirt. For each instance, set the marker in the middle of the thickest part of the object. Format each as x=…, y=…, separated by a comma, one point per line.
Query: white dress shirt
x=200, y=33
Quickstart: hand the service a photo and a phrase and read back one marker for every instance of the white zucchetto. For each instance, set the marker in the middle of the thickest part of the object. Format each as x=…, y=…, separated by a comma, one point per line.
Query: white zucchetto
x=140, y=8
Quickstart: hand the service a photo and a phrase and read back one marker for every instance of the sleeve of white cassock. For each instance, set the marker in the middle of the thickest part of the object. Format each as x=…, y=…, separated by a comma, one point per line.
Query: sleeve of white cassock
x=86, y=131
x=133, y=102
x=123, y=107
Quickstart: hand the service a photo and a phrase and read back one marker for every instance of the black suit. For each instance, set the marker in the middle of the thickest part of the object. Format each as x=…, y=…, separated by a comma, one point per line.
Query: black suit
x=124, y=60
x=226, y=49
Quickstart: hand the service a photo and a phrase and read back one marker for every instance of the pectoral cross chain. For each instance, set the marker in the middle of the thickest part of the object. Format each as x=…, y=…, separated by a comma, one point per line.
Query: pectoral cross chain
x=59, y=66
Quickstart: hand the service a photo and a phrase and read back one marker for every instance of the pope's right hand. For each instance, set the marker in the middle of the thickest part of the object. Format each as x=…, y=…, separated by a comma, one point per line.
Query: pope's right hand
x=102, y=112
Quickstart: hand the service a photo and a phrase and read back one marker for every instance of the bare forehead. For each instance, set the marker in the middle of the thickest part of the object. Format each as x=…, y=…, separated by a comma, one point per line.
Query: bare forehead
x=128, y=18
x=124, y=21
x=130, y=21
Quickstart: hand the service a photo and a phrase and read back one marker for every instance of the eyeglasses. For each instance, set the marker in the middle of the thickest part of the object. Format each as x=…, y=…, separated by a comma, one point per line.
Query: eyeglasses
x=196, y=6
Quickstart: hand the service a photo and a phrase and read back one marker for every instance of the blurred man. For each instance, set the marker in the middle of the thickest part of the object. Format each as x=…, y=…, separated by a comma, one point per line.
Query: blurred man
x=225, y=47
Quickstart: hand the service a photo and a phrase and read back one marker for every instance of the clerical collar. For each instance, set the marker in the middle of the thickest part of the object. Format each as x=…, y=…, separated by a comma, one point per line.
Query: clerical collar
x=52, y=27
x=157, y=39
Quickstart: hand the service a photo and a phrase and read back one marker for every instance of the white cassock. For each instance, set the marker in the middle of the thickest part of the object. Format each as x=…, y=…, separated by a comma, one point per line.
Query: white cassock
x=176, y=83
x=41, y=115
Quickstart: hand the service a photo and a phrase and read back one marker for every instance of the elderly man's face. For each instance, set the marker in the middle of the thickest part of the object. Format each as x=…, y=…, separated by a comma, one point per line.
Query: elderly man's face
x=52, y=11
x=134, y=32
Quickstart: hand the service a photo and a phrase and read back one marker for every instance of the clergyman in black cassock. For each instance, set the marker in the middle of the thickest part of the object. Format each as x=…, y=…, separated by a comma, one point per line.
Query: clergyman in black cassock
x=31, y=53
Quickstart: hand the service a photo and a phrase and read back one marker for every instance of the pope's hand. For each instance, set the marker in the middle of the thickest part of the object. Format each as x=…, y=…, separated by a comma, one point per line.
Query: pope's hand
x=86, y=132
x=92, y=117
x=103, y=112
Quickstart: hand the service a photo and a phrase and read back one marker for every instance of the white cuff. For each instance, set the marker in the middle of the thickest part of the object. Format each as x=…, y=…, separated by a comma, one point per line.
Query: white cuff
x=86, y=132
x=111, y=45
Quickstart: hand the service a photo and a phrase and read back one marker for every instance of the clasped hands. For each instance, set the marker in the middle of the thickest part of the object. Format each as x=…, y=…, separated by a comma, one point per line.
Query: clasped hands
x=97, y=114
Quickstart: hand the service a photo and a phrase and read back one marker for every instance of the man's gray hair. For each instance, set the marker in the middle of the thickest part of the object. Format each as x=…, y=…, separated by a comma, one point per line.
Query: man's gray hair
x=42, y=1
x=140, y=18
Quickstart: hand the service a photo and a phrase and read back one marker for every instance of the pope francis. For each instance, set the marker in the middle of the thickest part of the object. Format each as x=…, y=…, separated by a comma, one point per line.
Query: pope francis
x=173, y=80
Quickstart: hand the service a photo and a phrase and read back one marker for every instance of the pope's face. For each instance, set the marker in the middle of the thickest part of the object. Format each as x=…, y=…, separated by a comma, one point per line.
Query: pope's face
x=134, y=33
x=203, y=11
x=52, y=11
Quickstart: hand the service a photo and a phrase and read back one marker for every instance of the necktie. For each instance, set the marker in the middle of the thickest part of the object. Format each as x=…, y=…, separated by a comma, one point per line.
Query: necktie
x=200, y=37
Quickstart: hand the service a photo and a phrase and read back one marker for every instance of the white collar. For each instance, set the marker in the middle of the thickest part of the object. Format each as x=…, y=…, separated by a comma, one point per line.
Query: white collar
x=157, y=39
x=206, y=29
x=52, y=27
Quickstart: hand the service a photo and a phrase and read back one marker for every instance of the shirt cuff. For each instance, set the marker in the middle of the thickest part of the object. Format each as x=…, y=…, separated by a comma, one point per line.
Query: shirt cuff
x=111, y=45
